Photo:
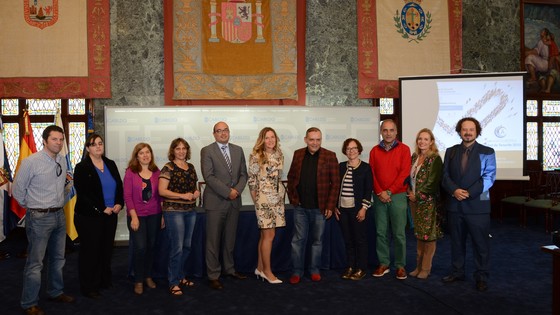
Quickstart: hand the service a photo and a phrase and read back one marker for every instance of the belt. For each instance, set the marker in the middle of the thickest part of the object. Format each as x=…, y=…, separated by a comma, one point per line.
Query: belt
x=47, y=210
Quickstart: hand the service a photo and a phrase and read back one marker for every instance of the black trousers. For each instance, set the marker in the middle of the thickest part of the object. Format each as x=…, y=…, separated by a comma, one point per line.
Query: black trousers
x=97, y=235
x=355, y=238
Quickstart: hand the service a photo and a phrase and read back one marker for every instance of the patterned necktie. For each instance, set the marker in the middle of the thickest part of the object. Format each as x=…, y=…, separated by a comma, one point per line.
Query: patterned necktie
x=226, y=156
x=464, y=160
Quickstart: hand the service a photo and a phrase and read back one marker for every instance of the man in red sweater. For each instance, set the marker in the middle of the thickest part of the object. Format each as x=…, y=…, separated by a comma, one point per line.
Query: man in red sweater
x=390, y=165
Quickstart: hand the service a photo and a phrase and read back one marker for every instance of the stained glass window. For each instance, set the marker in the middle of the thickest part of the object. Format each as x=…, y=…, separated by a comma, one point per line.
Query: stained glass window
x=77, y=106
x=10, y=107
x=386, y=106
x=43, y=107
x=551, y=145
x=42, y=113
x=11, y=143
x=76, y=141
x=532, y=108
x=551, y=108
x=532, y=141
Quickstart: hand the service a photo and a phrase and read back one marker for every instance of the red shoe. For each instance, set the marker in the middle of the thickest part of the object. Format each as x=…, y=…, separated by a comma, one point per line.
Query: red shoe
x=401, y=273
x=381, y=271
x=295, y=279
x=316, y=277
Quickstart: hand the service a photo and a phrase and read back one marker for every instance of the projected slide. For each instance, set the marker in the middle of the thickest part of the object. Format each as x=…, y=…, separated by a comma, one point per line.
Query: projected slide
x=493, y=103
x=496, y=100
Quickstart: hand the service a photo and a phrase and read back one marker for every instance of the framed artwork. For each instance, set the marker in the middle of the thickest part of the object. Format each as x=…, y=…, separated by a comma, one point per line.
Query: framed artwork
x=540, y=56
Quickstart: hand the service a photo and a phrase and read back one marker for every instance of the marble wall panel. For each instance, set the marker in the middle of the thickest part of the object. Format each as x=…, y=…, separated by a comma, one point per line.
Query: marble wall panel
x=490, y=43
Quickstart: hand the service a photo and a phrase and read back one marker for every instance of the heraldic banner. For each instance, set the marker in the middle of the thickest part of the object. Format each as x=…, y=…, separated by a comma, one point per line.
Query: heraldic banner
x=55, y=49
x=406, y=38
x=234, y=49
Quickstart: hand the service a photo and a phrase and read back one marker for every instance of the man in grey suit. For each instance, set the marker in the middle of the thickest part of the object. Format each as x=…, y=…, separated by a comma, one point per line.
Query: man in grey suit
x=225, y=173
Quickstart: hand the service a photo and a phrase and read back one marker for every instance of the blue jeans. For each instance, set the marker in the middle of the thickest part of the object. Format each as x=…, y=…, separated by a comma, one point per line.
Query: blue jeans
x=180, y=227
x=143, y=242
x=307, y=223
x=43, y=230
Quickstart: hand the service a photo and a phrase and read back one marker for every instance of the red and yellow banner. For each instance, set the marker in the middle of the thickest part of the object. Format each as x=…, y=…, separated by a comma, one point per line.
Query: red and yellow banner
x=234, y=50
x=406, y=38
x=55, y=49
x=27, y=148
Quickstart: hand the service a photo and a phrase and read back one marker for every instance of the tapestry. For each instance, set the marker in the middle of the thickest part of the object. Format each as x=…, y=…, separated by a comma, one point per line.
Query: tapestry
x=236, y=49
x=55, y=49
x=406, y=38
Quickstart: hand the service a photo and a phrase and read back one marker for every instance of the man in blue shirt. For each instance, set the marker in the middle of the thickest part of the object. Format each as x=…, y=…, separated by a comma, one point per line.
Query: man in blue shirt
x=39, y=186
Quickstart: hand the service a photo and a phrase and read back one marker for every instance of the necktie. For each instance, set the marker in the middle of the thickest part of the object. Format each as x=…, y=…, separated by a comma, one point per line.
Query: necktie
x=226, y=156
x=464, y=160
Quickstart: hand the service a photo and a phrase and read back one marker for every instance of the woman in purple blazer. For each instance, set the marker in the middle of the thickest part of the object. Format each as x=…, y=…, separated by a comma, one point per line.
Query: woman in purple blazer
x=143, y=206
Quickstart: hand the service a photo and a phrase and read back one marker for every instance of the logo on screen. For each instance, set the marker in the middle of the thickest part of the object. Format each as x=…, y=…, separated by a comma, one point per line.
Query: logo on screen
x=500, y=131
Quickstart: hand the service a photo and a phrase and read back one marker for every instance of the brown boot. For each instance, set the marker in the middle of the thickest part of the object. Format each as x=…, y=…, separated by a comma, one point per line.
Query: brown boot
x=419, y=255
x=138, y=288
x=429, y=251
x=150, y=283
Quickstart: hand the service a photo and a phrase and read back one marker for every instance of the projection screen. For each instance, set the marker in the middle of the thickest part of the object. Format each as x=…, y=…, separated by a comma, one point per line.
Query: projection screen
x=494, y=99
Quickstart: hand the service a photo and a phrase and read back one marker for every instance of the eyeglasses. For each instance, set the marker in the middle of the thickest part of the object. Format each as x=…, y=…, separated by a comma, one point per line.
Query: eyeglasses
x=220, y=131
x=351, y=149
x=93, y=144
x=58, y=169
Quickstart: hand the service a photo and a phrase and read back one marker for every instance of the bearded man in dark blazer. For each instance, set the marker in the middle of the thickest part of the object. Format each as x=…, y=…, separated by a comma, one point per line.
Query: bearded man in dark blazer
x=225, y=172
x=469, y=170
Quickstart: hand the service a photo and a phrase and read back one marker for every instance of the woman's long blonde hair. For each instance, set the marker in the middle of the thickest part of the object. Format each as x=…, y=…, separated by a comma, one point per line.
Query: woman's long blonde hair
x=433, y=147
x=258, y=149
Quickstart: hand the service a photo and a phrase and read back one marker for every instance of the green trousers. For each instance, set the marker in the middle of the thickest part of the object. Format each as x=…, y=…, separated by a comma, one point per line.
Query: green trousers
x=391, y=217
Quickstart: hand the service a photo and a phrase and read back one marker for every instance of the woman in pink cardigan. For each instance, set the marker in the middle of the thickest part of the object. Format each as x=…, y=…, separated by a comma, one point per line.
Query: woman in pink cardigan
x=143, y=206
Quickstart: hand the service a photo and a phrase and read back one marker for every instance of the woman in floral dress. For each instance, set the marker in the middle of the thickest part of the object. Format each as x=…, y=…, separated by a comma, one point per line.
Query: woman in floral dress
x=423, y=194
x=265, y=175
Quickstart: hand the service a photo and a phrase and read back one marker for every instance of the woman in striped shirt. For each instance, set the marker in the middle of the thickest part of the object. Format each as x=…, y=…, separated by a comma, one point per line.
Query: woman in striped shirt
x=353, y=202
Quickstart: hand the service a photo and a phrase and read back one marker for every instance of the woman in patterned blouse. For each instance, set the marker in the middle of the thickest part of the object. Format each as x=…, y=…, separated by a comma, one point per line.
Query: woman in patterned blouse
x=266, y=163
x=177, y=187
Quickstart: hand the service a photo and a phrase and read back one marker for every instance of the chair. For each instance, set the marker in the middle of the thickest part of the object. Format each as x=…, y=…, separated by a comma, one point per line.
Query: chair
x=529, y=191
x=549, y=199
x=285, y=184
x=201, y=186
x=554, y=211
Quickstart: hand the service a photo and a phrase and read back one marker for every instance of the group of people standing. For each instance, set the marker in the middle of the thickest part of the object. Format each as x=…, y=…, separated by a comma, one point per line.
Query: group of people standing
x=318, y=187
x=401, y=180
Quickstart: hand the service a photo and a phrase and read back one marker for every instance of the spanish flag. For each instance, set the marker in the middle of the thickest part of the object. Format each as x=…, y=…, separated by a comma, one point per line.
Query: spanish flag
x=27, y=148
x=70, y=200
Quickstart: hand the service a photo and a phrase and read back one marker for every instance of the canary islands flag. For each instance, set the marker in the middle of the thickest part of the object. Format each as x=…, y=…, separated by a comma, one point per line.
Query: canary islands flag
x=70, y=200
